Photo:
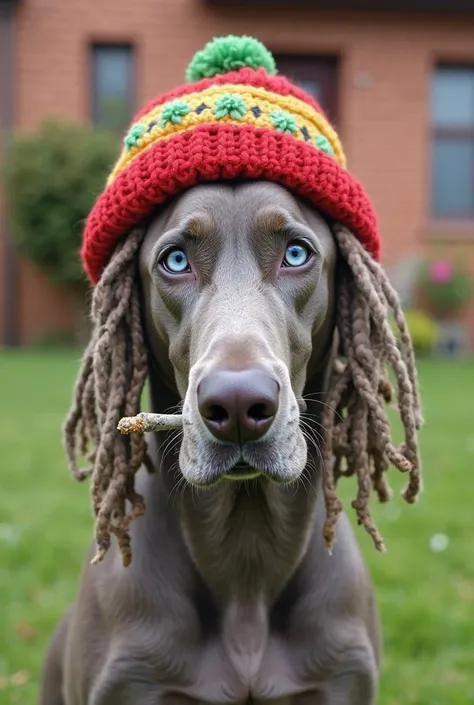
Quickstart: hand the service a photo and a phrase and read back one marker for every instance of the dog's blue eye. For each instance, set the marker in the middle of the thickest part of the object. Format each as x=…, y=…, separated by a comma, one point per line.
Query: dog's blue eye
x=176, y=262
x=296, y=254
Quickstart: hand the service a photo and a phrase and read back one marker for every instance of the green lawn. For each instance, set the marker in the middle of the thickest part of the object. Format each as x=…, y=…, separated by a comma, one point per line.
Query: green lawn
x=426, y=596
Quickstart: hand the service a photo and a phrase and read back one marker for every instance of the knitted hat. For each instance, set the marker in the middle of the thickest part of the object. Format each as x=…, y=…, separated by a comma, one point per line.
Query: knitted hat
x=233, y=119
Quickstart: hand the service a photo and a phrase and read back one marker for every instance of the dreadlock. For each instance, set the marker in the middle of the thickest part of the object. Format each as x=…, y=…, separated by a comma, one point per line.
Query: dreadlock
x=356, y=437
x=356, y=427
x=109, y=386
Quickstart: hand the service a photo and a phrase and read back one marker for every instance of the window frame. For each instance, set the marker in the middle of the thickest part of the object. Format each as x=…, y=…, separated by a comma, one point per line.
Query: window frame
x=448, y=131
x=322, y=67
x=92, y=87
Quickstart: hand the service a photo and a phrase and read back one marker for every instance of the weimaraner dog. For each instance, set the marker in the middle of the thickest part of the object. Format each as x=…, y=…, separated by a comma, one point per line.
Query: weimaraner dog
x=231, y=596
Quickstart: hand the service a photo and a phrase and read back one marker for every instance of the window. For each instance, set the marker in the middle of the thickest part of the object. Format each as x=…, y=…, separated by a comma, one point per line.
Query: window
x=317, y=75
x=112, y=85
x=452, y=150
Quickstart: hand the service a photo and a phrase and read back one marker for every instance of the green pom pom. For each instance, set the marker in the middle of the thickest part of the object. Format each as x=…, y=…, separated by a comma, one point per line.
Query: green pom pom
x=224, y=54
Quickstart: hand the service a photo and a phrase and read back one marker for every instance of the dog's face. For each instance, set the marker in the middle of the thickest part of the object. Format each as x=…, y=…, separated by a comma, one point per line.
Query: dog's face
x=238, y=286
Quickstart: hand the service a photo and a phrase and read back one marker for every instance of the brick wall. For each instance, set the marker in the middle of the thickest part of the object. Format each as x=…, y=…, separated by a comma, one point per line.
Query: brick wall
x=384, y=83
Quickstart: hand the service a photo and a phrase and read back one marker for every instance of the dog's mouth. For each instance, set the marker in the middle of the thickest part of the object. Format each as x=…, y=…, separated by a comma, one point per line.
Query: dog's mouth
x=242, y=447
x=241, y=471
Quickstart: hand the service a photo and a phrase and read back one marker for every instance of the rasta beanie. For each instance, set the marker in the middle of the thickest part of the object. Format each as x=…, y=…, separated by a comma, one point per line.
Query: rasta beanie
x=234, y=118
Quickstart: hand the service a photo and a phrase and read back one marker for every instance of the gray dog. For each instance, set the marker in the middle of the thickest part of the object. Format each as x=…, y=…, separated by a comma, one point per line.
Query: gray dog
x=238, y=302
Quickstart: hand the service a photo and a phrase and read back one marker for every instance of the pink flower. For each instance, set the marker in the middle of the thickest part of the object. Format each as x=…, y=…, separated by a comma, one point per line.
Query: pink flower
x=441, y=271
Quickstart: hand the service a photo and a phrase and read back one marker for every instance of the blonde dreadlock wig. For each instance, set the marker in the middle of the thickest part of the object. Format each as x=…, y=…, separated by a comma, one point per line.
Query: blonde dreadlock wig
x=235, y=118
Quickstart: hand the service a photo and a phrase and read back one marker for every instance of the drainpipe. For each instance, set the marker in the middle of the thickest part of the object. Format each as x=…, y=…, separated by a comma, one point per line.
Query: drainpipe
x=10, y=274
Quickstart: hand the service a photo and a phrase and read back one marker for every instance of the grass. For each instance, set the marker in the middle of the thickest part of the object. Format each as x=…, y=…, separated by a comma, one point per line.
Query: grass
x=426, y=596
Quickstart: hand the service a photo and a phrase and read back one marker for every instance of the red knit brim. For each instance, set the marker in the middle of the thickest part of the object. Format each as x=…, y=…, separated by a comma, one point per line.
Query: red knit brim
x=223, y=152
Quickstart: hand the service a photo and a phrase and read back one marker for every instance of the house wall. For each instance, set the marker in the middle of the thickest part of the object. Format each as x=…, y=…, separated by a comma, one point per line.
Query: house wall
x=383, y=96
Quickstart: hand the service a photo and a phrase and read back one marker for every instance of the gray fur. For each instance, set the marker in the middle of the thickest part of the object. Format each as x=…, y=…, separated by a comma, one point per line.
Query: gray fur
x=231, y=596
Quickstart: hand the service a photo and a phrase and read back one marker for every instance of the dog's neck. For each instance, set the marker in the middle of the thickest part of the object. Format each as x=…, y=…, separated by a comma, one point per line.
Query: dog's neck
x=246, y=538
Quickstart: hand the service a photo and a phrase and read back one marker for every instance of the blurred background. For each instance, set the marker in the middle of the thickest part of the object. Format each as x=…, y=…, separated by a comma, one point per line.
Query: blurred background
x=397, y=79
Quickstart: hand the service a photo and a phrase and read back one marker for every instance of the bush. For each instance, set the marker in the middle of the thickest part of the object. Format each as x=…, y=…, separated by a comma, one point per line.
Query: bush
x=51, y=180
x=424, y=331
x=445, y=285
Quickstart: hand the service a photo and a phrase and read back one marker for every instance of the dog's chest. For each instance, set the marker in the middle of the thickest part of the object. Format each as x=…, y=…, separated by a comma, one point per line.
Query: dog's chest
x=253, y=662
x=217, y=677
x=244, y=665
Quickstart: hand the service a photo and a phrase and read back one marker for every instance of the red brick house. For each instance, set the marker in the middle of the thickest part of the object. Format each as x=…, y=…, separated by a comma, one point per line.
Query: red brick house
x=397, y=77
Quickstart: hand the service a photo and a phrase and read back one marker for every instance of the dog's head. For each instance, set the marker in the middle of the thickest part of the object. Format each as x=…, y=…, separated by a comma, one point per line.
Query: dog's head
x=238, y=285
x=238, y=301
x=238, y=297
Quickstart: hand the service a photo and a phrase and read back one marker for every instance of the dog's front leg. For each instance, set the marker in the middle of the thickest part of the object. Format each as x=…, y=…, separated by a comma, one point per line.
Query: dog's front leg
x=354, y=682
x=139, y=694
x=350, y=688
x=345, y=689
x=126, y=680
x=130, y=693
x=132, y=682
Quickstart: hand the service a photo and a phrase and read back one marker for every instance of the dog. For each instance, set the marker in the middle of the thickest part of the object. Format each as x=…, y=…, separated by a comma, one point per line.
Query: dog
x=231, y=596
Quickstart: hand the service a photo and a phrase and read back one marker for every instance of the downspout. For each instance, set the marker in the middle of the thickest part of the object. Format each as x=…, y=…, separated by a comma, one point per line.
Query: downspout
x=10, y=274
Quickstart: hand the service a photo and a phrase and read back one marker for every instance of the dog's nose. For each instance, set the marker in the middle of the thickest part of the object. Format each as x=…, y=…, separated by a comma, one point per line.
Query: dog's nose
x=238, y=406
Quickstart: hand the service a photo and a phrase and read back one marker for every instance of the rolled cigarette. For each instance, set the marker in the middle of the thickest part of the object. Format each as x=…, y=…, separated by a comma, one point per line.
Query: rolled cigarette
x=144, y=422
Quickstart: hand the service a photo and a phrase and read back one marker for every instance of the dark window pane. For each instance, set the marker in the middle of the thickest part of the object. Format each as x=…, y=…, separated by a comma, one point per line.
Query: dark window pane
x=312, y=87
x=452, y=97
x=453, y=176
x=112, y=80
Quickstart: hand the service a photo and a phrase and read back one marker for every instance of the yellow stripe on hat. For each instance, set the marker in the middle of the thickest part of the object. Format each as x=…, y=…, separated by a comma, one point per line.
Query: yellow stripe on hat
x=232, y=104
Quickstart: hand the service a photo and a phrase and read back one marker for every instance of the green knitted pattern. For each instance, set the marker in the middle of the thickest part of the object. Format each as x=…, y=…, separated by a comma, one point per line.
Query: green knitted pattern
x=174, y=112
x=283, y=122
x=230, y=105
x=227, y=105
x=133, y=136
x=323, y=144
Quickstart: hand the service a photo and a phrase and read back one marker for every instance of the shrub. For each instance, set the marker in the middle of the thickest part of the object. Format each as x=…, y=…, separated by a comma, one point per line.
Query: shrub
x=445, y=285
x=51, y=180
